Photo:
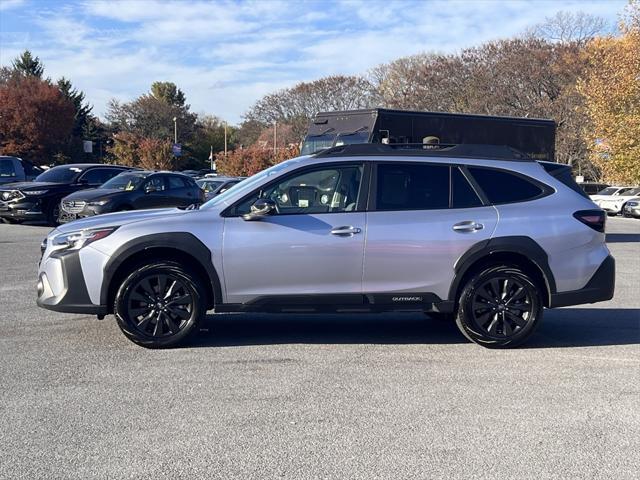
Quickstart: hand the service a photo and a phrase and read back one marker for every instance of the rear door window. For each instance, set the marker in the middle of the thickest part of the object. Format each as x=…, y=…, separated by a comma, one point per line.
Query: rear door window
x=504, y=187
x=176, y=182
x=412, y=187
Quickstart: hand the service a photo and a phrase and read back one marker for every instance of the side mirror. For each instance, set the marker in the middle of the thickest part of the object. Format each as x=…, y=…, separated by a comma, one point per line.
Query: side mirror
x=260, y=208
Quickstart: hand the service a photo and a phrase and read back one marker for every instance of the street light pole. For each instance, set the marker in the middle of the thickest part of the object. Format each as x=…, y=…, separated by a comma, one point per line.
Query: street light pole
x=275, y=139
x=175, y=129
x=225, y=139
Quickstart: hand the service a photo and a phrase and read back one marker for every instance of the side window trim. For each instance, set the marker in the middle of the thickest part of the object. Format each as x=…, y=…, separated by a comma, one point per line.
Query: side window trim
x=362, y=194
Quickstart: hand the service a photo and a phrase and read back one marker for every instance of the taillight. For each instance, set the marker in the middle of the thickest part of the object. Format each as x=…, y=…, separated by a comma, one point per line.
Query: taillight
x=595, y=219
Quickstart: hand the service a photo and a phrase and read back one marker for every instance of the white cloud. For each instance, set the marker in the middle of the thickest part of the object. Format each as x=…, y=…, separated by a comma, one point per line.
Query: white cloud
x=225, y=55
x=9, y=4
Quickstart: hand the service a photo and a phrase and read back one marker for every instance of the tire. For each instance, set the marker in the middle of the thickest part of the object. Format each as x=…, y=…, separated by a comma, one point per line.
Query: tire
x=53, y=212
x=173, y=310
x=499, y=307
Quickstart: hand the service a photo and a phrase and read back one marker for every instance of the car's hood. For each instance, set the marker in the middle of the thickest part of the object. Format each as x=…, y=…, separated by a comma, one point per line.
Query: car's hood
x=93, y=194
x=29, y=186
x=121, y=218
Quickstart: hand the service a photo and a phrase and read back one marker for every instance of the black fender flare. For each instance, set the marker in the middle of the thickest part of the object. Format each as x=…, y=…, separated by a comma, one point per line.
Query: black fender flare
x=184, y=242
x=520, y=245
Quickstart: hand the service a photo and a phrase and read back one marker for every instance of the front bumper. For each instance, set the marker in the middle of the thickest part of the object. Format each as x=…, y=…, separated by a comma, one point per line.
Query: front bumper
x=61, y=285
x=24, y=210
x=631, y=211
x=599, y=288
x=88, y=211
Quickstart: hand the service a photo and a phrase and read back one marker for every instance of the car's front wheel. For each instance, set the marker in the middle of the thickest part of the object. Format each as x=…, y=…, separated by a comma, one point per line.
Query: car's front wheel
x=159, y=305
x=499, y=307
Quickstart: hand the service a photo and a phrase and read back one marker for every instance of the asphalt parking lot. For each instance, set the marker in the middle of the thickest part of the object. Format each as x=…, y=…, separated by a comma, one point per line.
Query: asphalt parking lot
x=363, y=396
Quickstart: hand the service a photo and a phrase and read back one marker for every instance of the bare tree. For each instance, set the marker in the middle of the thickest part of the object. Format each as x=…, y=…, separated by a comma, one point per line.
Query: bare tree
x=297, y=105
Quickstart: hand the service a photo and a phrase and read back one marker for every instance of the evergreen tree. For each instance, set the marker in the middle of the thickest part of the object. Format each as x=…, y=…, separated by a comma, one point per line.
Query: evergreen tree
x=28, y=65
x=83, y=109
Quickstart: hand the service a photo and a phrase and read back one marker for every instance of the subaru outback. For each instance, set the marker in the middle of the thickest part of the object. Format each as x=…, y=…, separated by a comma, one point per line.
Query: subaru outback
x=480, y=234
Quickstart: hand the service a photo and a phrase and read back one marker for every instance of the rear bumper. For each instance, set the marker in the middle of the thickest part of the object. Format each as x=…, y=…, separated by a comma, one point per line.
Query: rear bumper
x=599, y=288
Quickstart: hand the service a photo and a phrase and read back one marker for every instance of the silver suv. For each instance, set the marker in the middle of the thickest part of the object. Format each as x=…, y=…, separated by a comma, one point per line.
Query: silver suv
x=481, y=234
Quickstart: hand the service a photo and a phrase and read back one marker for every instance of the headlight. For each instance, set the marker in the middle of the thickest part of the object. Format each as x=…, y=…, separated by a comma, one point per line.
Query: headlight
x=35, y=192
x=99, y=203
x=81, y=238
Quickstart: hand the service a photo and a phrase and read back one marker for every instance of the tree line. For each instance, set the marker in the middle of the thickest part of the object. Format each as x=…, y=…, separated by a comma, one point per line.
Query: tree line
x=566, y=69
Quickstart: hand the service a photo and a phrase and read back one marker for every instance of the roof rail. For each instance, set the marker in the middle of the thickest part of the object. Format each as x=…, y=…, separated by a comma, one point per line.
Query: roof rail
x=465, y=150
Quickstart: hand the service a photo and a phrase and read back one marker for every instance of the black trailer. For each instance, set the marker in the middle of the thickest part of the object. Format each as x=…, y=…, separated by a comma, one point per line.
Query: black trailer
x=534, y=137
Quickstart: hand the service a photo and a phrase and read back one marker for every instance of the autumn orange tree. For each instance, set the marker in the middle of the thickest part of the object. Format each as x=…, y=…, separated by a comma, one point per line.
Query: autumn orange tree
x=244, y=162
x=611, y=88
x=36, y=119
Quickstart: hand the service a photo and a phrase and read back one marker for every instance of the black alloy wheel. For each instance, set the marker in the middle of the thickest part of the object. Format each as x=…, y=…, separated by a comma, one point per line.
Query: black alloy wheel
x=159, y=305
x=500, y=307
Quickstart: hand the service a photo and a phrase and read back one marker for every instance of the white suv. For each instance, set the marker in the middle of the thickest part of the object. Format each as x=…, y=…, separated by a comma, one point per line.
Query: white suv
x=478, y=233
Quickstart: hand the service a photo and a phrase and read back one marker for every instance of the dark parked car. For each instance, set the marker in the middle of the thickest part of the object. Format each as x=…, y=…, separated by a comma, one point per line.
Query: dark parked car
x=40, y=199
x=14, y=169
x=213, y=186
x=134, y=190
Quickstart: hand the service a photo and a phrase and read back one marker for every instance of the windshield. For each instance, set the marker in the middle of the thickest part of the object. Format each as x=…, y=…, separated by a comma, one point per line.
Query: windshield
x=246, y=185
x=351, y=138
x=208, y=185
x=315, y=143
x=124, y=181
x=59, y=174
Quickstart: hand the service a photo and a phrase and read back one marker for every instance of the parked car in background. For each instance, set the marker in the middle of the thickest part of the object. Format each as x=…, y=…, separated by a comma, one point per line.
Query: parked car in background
x=614, y=204
x=133, y=190
x=192, y=173
x=609, y=192
x=632, y=208
x=40, y=199
x=592, y=188
x=213, y=186
x=14, y=169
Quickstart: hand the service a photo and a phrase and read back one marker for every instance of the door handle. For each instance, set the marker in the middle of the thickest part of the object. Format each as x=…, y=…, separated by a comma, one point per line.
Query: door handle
x=345, y=231
x=468, y=226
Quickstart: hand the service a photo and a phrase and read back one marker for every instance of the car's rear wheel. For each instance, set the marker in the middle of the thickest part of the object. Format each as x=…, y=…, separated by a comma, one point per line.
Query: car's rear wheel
x=159, y=305
x=499, y=307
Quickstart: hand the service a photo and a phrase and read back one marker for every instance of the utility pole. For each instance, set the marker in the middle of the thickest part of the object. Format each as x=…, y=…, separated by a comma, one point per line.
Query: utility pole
x=275, y=139
x=225, y=139
x=175, y=129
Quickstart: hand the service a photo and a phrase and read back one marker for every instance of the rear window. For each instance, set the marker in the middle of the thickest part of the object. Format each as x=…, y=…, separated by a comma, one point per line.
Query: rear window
x=504, y=187
x=563, y=174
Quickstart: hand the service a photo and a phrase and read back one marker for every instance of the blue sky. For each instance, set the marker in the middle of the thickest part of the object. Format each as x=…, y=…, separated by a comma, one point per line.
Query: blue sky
x=226, y=54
